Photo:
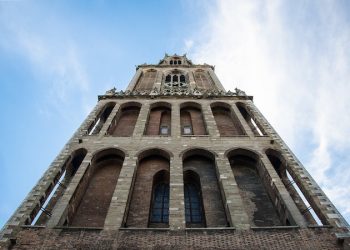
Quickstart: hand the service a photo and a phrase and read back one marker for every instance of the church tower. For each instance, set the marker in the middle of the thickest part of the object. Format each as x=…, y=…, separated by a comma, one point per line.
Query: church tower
x=176, y=161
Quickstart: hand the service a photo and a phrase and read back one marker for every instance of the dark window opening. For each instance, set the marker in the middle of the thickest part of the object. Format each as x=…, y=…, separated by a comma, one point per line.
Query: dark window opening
x=193, y=205
x=160, y=205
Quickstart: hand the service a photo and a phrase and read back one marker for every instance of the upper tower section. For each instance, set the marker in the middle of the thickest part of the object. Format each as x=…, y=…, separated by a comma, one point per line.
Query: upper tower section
x=175, y=74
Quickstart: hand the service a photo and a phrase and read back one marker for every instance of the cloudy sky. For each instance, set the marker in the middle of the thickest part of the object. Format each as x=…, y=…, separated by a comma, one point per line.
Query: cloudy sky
x=57, y=56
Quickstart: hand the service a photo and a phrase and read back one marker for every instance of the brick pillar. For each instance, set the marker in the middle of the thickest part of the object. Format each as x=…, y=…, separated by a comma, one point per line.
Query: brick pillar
x=283, y=201
x=109, y=120
x=118, y=208
x=134, y=80
x=233, y=202
x=176, y=205
x=242, y=121
x=210, y=121
x=322, y=206
x=141, y=121
x=72, y=194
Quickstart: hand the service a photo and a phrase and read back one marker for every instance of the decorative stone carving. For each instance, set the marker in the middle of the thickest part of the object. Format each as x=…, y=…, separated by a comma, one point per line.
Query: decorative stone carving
x=240, y=92
x=111, y=91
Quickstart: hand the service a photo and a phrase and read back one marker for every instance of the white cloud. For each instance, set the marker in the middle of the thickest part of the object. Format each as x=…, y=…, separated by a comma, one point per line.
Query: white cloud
x=295, y=60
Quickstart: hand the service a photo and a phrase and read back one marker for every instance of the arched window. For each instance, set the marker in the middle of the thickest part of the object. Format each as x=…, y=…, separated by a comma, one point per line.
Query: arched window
x=203, y=201
x=171, y=62
x=178, y=62
x=182, y=78
x=149, y=202
x=160, y=204
x=226, y=121
x=159, y=120
x=193, y=200
x=254, y=126
x=168, y=78
x=175, y=62
x=191, y=119
x=124, y=122
x=175, y=79
x=100, y=119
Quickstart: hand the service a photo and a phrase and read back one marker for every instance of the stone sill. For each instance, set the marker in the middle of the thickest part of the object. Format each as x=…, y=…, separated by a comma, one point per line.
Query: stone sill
x=274, y=227
x=320, y=226
x=80, y=228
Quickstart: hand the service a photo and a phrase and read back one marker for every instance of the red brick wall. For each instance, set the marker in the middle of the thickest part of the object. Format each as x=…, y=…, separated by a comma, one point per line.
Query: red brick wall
x=140, y=201
x=157, y=117
x=304, y=239
x=193, y=117
x=126, y=123
x=94, y=205
x=226, y=123
x=212, y=202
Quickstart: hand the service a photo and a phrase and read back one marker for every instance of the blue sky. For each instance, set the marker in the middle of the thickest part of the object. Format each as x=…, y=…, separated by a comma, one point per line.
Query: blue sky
x=57, y=56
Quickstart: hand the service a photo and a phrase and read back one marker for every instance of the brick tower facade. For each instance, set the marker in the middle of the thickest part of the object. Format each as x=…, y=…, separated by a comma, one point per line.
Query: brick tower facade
x=176, y=162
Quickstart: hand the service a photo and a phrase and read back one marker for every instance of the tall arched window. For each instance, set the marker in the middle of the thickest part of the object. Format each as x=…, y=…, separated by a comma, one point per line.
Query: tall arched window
x=159, y=120
x=124, y=122
x=194, y=213
x=226, y=121
x=149, y=202
x=203, y=201
x=160, y=199
x=100, y=119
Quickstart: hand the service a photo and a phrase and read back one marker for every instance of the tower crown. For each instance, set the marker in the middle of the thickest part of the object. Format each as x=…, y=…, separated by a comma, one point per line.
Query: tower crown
x=175, y=60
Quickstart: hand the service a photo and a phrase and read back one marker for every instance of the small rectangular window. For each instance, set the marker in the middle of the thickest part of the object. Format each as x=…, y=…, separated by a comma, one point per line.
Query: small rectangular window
x=187, y=130
x=164, y=130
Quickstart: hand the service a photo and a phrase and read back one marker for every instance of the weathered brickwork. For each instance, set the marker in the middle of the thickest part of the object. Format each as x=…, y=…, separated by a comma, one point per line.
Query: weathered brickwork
x=305, y=239
x=105, y=176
